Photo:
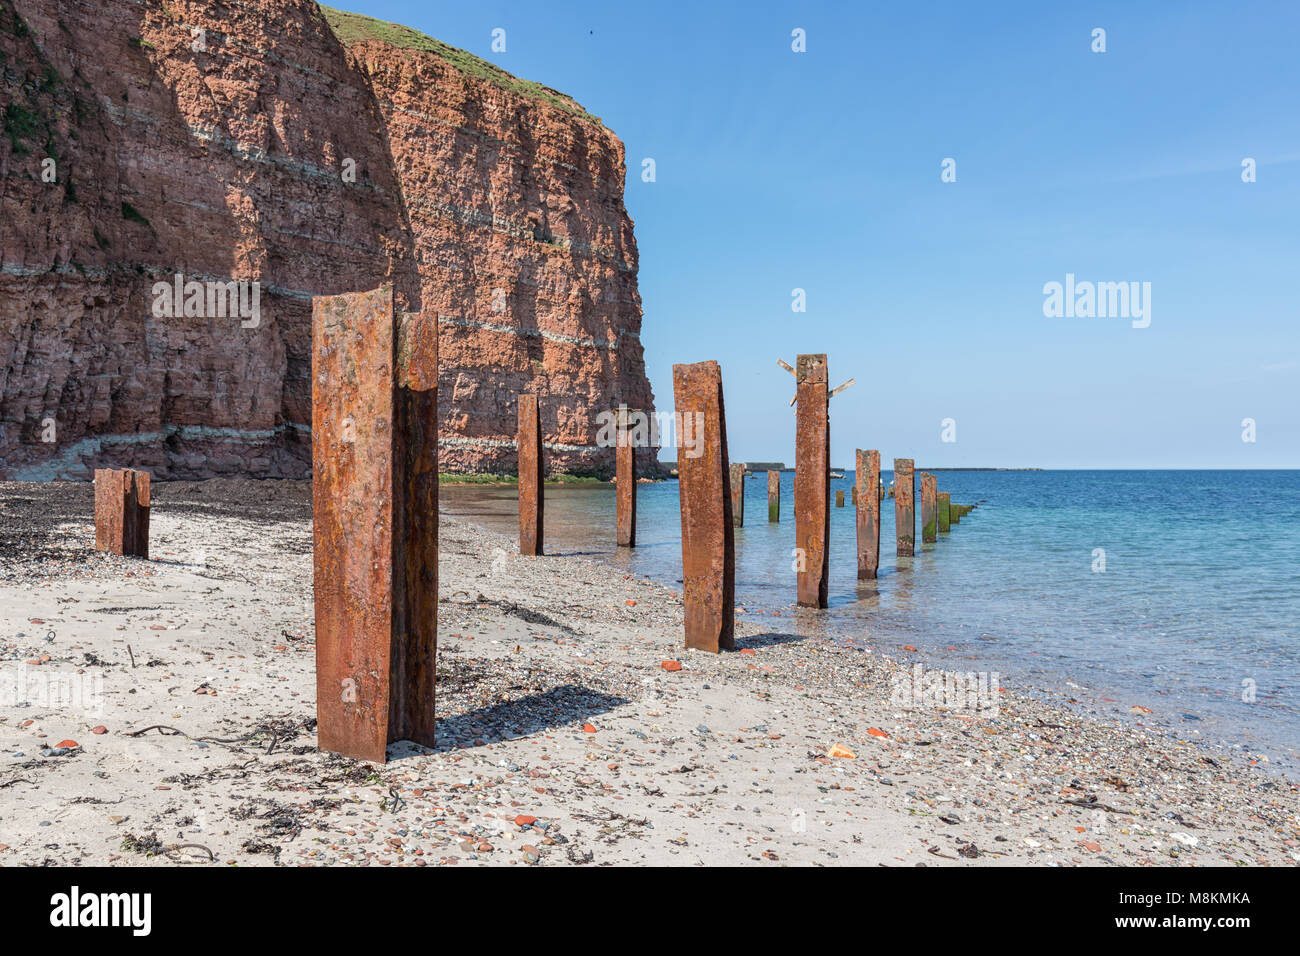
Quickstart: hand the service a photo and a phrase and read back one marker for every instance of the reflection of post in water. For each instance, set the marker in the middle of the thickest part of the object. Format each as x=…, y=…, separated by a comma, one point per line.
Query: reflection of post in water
x=902, y=596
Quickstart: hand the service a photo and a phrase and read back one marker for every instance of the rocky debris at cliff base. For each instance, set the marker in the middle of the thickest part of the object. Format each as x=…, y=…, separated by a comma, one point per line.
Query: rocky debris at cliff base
x=563, y=740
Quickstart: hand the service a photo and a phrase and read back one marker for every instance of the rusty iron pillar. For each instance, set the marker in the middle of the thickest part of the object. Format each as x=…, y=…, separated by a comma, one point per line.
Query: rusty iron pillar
x=944, y=506
x=853, y=493
x=839, y=498
x=929, y=508
x=738, y=495
x=122, y=511
x=868, y=487
x=532, y=493
x=375, y=522
x=773, y=496
x=904, y=509
x=812, y=478
x=625, y=486
x=704, y=487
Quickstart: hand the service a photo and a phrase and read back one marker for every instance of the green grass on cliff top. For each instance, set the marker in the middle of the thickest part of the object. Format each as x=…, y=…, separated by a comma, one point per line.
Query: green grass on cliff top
x=353, y=28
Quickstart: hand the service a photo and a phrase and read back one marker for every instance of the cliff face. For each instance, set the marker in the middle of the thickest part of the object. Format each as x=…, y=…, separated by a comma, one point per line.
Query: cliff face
x=256, y=142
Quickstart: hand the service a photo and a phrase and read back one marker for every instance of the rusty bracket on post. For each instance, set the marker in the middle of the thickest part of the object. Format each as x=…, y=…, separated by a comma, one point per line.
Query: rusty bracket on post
x=704, y=489
x=833, y=392
x=375, y=522
x=532, y=492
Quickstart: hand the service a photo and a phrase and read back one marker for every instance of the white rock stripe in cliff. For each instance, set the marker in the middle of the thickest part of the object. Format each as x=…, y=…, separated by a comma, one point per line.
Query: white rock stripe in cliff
x=537, y=333
x=69, y=461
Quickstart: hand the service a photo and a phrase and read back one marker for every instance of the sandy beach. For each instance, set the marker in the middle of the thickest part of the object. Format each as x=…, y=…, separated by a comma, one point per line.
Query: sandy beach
x=569, y=734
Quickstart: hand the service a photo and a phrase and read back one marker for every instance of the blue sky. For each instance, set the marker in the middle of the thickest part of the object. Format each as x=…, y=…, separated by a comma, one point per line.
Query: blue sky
x=821, y=170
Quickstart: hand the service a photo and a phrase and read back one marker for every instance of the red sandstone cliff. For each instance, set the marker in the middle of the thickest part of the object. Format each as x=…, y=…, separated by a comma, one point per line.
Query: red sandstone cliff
x=215, y=140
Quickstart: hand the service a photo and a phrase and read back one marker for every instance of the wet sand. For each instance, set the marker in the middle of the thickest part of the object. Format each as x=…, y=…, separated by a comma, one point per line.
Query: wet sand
x=563, y=739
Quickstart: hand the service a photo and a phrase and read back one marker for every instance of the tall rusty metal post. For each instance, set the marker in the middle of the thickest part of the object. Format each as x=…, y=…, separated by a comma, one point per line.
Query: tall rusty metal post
x=929, y=508
x=532, y=492
x=704, y=487
x=945, y=504
x=904, y=508
x=812, y=478
x=738, y=495
x=812, y=475
x=122, y=499
x=773, y=495
x=867, y=481
x=375, y=522
x=625, y=473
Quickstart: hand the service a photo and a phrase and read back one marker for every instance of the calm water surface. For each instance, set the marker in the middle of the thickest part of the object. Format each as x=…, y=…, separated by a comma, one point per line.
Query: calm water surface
x=1197, y=606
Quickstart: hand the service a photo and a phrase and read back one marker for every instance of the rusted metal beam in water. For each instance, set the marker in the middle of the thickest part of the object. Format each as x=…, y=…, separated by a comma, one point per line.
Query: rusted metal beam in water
x=945, y=504
x=812, y=479
x=625, y=473
x=904, y=508
x=869, y=495
x=375, y=522
x=773, y=496
x=532, y=492
x=929, y=508
x=839, y=497
x=738, y=495
x=704, y=488
x=122, y=511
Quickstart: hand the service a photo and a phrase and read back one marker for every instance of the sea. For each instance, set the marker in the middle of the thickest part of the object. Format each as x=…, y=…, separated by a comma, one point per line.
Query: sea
x=1112, y=592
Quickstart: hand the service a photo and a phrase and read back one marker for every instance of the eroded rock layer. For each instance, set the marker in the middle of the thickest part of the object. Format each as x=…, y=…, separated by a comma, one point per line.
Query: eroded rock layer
x=263, y=142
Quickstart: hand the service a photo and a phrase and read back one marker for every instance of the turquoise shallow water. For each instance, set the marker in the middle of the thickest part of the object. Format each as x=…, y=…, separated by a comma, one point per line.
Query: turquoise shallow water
x=1195, y=613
